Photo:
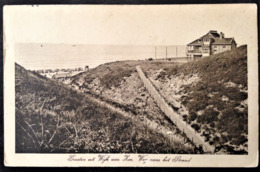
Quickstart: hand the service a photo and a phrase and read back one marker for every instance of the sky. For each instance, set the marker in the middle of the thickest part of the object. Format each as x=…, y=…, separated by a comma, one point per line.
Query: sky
x=121, y=25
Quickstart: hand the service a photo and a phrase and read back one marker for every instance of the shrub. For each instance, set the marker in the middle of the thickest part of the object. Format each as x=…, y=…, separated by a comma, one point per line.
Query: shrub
x=192, y=116
x=212, y=124
x=196, y=127
x=185, y=117
x=239, y=140
x=52, y=118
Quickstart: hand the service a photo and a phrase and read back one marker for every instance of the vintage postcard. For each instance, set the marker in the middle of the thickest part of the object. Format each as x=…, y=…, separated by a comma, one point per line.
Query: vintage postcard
x=131, y=85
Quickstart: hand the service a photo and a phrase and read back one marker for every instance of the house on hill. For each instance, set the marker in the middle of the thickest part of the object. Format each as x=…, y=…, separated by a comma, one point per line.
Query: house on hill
x=209, y=44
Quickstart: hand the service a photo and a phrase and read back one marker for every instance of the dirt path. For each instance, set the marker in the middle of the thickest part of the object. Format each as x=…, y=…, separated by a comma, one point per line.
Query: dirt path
x=175, y=118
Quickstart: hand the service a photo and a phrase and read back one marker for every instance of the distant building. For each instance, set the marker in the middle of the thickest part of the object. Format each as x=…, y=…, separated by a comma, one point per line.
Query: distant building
x=211, y=43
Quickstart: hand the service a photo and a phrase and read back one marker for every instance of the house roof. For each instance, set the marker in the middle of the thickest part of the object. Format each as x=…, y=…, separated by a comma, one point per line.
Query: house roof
x=212, y=31
x=223, y=41
x=196, y=42
x=207, y=36
x=214, y=35
x=211, y=34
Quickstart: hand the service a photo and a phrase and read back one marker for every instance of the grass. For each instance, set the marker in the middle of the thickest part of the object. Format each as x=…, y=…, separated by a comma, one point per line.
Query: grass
x=222, y=123
x=111, y=74
x=219, y=116
x=226, y=66
x=125, y=93
x=53, y=118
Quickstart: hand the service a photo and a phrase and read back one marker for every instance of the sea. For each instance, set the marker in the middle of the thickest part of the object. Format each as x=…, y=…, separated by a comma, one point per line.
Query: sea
x=35, y=56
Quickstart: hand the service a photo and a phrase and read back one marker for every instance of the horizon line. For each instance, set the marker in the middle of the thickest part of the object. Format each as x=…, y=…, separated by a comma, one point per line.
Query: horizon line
x=100, y=44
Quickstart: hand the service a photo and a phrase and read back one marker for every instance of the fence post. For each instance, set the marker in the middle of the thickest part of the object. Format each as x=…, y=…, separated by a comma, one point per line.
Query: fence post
x=169, y=112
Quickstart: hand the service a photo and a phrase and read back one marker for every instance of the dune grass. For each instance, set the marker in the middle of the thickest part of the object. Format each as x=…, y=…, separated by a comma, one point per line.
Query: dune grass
x=51, y=118
x=110, y=74
x=221, y=122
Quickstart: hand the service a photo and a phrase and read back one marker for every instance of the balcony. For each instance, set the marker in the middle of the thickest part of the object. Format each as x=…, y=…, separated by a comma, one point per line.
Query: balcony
x=194, y=51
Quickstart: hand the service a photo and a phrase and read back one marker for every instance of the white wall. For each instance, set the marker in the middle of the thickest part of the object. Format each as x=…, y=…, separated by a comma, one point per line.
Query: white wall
x=220, y=48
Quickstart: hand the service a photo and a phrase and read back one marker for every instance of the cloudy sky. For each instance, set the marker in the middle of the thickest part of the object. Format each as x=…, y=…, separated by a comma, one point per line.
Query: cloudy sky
x=164, y=25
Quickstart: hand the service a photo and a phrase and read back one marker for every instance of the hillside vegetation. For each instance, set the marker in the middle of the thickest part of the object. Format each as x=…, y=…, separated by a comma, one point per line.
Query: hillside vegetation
x=111, y=74
x=53, y=118
x=128, y=92
x=210, y=94
x=213, y=92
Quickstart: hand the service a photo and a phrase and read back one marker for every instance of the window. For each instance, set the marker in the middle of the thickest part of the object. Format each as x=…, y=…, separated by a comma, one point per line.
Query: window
x=205, y=50
x=215, y=46
x=224, y=46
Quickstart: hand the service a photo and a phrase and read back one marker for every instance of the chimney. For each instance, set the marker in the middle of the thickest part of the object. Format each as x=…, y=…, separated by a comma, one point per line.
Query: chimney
x=221, y=35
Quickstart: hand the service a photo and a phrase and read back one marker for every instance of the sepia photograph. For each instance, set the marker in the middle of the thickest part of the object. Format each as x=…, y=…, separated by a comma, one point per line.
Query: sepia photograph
x=131, y=80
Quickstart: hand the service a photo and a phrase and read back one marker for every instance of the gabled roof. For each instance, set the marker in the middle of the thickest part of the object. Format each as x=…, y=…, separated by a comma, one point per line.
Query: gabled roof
x=211, y=34
x=207, y=36
x=196, y=42
x=212, y=31
x=223, y=41
x=215, y=34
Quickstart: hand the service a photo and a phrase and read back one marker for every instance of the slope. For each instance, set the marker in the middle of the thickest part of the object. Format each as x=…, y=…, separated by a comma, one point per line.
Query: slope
x=50, y=117
x=211, y=95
